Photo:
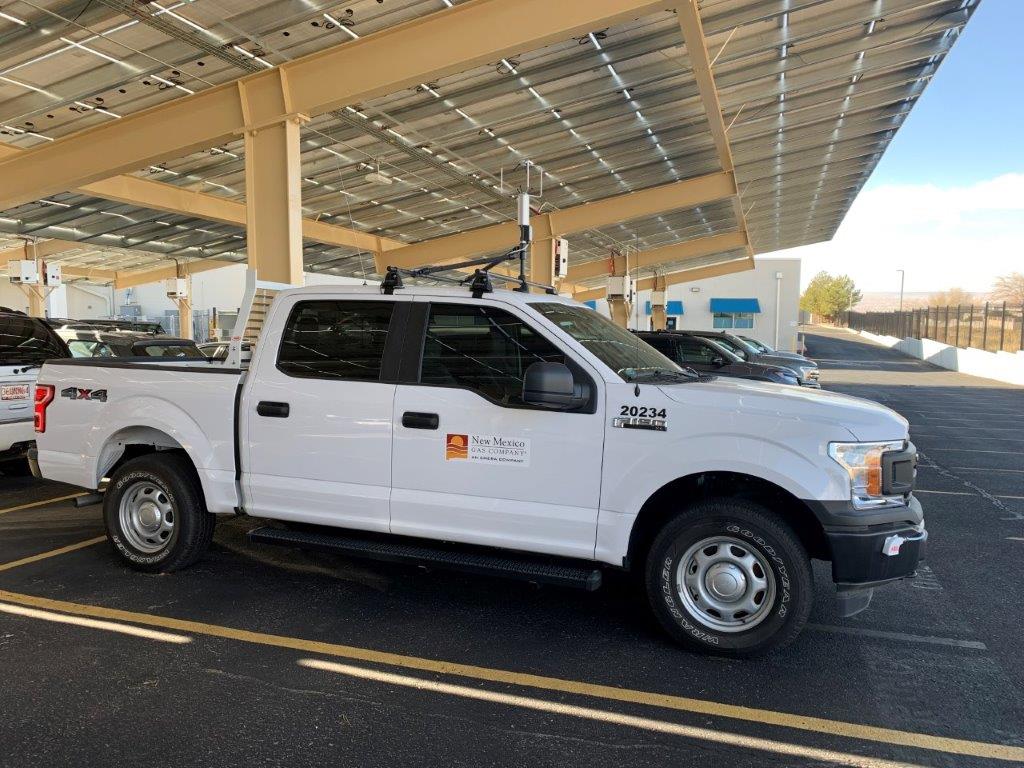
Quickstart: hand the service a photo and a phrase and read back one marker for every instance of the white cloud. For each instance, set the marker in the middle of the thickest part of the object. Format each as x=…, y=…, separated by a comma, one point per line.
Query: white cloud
x=943, y=237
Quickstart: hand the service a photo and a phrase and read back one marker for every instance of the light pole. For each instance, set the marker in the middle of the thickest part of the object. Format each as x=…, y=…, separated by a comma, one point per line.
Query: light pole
x=902, y=275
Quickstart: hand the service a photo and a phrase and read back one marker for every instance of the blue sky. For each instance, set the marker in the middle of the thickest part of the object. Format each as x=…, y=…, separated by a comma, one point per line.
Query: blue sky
x=946, y=202
x=969, y=123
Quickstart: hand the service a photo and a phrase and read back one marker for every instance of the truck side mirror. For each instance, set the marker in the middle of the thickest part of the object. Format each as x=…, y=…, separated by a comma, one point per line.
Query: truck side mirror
x=551, y=385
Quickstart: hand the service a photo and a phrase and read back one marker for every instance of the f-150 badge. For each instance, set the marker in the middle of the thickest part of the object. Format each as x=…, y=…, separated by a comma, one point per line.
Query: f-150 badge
x=639, y=417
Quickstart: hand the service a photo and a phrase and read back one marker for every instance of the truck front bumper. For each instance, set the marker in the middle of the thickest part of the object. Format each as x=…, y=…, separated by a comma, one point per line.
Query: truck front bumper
x=871, y=548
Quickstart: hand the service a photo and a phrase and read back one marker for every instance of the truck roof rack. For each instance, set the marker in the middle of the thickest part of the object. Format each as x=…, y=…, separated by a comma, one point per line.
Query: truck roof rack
x=479, y=281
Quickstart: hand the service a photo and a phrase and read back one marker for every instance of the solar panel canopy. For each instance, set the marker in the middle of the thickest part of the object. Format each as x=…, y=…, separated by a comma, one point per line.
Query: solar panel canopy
x=811, y=92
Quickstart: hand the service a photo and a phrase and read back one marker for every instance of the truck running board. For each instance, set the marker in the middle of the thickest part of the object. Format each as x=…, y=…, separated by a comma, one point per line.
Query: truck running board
x=504, y=565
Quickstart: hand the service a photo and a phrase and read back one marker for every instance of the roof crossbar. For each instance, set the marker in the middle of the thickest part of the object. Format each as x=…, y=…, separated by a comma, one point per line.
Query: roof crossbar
x=479, y=281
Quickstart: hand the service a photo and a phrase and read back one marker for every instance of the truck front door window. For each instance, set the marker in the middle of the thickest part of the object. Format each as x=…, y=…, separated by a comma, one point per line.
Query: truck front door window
x=483, y=349
x=335, y=340
x=628, y=355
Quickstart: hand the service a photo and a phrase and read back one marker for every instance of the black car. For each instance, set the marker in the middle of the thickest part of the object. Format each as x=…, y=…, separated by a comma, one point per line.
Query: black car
x=91, y=343
x=806, y=371
x=705, y=356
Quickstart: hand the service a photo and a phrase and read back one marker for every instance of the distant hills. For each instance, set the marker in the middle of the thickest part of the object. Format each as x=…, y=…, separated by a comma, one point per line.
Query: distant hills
x=882, y=301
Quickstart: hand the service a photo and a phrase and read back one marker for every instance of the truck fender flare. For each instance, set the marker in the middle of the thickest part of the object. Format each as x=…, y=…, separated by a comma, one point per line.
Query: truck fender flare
x=137, y=423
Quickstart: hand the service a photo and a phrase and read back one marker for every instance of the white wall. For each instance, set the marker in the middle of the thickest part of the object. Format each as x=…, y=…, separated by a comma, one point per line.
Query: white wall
x=759, y=283
x=1001, y=366
x=85, y=301
x=217, y=288
x=76, y=300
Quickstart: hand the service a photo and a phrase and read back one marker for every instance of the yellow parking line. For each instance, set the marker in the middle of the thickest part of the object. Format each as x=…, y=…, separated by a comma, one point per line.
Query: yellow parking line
x=607, y=692
x=716, y=735
x=51, y=553
x=41, y=503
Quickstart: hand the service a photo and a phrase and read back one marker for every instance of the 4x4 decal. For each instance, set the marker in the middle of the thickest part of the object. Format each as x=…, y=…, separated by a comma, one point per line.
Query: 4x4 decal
x=75, y=393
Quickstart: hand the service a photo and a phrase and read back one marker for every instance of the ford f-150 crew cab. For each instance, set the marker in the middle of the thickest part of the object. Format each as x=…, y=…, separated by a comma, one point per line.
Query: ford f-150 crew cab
x=501, y=432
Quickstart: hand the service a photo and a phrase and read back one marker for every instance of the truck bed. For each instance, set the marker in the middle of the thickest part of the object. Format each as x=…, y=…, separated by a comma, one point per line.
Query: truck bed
x=97, y=404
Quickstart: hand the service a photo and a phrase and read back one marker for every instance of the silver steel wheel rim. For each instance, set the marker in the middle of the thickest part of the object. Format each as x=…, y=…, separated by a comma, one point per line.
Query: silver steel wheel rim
x=725, y=584
x=147, y=517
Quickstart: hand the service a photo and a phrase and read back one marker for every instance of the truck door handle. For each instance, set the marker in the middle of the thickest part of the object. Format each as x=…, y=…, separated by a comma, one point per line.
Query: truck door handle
x=278, y=410
x=413, y=420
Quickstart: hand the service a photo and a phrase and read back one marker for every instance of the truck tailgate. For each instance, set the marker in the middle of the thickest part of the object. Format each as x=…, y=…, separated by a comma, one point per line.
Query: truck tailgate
x=99, y=406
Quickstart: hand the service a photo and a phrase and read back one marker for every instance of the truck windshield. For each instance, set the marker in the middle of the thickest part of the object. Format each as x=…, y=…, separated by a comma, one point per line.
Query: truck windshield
x=632, y=358
x=24, y=340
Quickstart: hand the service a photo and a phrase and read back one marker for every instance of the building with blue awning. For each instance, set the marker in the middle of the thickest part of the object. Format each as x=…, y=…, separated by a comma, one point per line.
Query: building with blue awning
x=762, y=303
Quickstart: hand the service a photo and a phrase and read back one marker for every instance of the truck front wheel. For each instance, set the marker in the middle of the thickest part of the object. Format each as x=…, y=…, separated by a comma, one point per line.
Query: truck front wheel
x=728, y=576
x=155, y=515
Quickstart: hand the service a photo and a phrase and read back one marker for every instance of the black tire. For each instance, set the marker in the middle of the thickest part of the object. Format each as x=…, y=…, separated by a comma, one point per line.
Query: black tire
x=172, y=475
x=762, y=534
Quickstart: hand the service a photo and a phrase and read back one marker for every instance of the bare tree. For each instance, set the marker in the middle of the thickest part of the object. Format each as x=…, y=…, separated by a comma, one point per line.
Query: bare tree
x=1009, y=288
x=951, y=298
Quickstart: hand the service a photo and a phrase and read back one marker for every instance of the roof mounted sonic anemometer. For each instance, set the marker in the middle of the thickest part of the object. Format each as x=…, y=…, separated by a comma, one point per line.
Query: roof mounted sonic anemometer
x=479, y=281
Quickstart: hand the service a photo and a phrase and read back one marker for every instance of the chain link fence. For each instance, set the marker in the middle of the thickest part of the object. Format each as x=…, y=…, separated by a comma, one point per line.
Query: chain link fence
x=991, y=326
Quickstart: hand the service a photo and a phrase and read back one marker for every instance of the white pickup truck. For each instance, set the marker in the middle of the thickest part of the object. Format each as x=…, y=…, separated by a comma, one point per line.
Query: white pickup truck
x=504, y=433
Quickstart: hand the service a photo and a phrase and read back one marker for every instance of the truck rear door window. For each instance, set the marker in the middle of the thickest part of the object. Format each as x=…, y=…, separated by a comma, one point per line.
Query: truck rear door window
x=335, y=339
x=484, y=349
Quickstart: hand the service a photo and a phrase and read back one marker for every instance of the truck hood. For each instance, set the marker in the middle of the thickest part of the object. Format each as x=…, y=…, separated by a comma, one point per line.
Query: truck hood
x=865, y=419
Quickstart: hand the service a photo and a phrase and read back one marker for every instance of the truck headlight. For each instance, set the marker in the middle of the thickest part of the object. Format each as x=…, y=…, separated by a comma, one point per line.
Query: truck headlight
x=863, y=463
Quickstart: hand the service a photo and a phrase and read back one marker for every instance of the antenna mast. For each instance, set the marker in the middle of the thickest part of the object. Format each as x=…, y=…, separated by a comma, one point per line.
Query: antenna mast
x=525, y=230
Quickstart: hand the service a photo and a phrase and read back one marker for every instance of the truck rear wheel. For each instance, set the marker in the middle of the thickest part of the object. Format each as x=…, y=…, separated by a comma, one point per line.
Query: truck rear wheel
x=728, y=576
x=155, y=514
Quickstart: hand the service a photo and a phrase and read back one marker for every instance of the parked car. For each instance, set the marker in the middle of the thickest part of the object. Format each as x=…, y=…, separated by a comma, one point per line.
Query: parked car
x=106, y=324
x=706, y=356
x=92, y=343
x=25, y=343
x=806, y=371
x=503, y=433
x=134, y=326
x=760, y=348
x=218, y=350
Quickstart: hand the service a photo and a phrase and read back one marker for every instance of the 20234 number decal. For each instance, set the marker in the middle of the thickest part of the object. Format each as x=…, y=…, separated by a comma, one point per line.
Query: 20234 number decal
x=643, y=412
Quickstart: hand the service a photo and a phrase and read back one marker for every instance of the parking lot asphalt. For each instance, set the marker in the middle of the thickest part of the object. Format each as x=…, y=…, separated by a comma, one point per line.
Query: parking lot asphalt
x=259, y=656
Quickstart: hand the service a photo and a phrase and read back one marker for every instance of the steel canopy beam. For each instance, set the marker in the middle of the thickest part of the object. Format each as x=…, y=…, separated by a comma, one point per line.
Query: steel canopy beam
x=160, y=196
x=674, y=278
x=686, y=250
x=40, y=250
x=687, y=193
x=47, y=248
x=131, y=279
x=688, y=15
x=439, y=44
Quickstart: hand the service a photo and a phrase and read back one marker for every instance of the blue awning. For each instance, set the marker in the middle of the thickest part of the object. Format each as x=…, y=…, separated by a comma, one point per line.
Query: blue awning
x=671, y=308
x=735, y=305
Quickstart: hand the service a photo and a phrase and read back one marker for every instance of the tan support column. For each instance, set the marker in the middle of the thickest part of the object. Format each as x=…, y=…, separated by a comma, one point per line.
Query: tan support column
x=36, y=300
x=618, y=305
x=273, y=188
x=658, y=317
x=185, y=312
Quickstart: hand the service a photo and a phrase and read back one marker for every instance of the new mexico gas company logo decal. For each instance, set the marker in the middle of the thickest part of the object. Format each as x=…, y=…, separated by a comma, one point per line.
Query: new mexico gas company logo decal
x=456, y=447
x=488, y=449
